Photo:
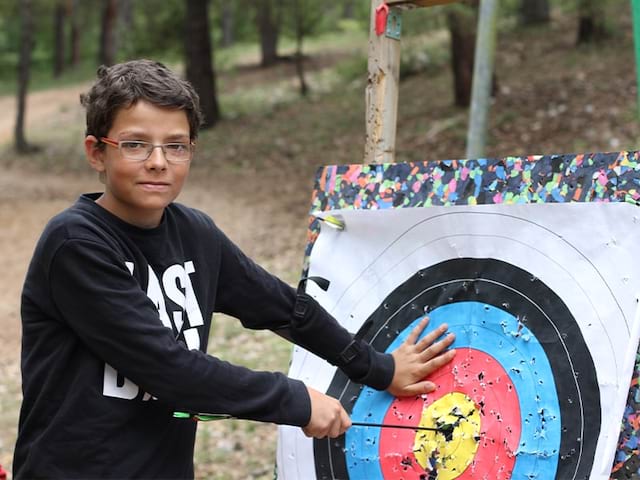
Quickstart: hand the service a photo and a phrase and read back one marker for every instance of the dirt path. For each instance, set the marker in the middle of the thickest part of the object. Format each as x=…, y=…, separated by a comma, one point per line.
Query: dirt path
x=42, y=108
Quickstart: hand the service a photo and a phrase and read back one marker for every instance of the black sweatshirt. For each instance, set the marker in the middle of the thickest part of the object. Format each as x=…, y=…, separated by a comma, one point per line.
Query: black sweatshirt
x=115, y=325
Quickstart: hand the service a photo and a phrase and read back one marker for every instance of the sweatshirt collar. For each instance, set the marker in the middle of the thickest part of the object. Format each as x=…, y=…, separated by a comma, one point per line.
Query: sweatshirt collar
x=87, y=201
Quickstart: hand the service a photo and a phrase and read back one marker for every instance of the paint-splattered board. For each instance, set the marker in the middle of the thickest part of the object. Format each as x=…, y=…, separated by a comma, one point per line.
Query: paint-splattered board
x=516, y=181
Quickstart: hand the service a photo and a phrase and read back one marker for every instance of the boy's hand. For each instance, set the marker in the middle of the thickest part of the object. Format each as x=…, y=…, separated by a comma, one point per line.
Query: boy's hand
x=328, y=418
x=414, y=360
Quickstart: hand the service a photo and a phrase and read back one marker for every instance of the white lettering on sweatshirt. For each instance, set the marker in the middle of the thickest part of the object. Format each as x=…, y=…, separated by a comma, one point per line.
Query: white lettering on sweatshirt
x=177, y=287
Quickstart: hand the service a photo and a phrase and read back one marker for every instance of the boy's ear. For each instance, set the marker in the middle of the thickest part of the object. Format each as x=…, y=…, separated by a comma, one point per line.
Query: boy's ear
x=95, y=155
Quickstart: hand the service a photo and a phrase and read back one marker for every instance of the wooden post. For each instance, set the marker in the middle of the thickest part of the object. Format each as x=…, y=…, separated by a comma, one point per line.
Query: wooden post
x=482, y=76
x=635, y=7
x=381, y=94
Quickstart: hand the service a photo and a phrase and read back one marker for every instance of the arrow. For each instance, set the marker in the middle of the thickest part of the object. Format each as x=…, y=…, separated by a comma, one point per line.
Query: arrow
x=443, y=429
x=208, y=417
x=202, y=417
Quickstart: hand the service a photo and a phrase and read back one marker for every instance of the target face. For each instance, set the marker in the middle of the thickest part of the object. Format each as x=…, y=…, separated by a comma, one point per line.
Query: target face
x=513, y=365
x=543, y=312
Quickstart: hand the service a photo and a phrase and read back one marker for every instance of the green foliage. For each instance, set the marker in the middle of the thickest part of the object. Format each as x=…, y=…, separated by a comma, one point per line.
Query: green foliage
x=244, y=20
x=572, y=7
x=42, y=54
x=9, y=32
x=9, y=39
x=308, y=17
x=353, y=69
x=510, y=7
x=419, y=59
x=423, y=21
x=155, y=29
x=158, y=29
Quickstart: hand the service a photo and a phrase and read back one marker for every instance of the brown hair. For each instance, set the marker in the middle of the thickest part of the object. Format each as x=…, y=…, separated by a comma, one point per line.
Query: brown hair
x=123, y=84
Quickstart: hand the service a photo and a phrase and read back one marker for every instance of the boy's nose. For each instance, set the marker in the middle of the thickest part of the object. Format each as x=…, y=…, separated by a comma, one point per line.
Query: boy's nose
x=156, y=159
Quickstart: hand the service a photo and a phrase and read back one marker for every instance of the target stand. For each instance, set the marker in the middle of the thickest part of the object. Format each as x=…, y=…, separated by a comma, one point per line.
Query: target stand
x=529, y=261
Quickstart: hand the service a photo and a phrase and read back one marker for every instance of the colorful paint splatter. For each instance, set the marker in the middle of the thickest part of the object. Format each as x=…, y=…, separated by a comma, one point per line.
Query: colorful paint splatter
x=596, y=177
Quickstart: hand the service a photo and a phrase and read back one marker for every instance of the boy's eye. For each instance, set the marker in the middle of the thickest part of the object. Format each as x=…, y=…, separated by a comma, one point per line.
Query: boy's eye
x=133, y=145
x=179, y=148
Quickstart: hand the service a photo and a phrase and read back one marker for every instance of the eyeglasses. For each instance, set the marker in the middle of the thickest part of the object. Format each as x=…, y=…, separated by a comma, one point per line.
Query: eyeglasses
x=139, y=151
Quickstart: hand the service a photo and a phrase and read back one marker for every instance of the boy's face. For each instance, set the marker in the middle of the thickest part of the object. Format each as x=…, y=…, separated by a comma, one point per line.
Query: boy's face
x=138, y=191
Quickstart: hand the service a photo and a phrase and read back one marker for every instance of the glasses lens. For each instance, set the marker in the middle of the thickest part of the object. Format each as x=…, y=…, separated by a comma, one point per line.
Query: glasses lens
x=178, y=152
x=135, y=150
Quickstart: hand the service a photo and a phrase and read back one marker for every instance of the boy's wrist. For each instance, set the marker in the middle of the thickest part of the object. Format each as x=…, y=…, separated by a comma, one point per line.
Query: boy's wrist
x=301, y=408
x=317, y=331
x=371, y=368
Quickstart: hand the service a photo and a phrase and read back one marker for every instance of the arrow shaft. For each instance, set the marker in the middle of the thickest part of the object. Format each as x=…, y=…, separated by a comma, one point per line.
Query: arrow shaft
x=211, y=416
x=386, y=425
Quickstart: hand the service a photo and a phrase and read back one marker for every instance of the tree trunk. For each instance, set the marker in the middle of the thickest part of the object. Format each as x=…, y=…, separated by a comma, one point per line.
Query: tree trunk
x=269, y=31
x=199, y=59
x=107, y=34
x=59, y=14
x=24, y=67
x=461, y=21
x=74, y=34
x=534, y=12
x=125, y=26
x=300, y=31
x=347, y=11
x=227, y=24
x=592, y=27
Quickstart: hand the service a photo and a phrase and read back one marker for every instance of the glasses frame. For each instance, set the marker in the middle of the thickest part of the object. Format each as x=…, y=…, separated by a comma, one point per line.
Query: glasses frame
x=118, y=144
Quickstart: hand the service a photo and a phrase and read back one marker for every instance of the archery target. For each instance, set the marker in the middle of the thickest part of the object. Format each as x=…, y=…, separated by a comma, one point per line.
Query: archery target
x=514, y=363
x=541, y=304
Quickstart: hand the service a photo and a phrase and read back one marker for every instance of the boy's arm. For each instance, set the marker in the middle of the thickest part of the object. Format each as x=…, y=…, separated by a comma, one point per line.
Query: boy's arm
x=314, y=329
x=97, y=298
x=413, y=361
x=262, y=301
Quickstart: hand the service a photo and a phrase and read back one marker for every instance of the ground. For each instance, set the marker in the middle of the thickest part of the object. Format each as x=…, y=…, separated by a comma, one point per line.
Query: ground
x=254, y=175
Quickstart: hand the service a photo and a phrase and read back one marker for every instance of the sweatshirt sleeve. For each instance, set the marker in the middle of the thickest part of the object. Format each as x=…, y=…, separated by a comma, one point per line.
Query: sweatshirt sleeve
x=260, y=300
x=102, y=303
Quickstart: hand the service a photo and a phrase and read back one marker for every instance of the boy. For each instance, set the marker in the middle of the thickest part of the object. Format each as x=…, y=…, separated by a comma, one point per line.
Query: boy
x=118, y=299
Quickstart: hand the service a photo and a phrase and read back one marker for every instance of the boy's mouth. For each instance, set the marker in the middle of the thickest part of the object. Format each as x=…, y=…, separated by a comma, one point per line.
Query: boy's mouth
x=154, y=185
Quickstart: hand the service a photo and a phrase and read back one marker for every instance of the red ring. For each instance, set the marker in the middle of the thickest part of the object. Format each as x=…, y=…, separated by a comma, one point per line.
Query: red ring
x=480, y=377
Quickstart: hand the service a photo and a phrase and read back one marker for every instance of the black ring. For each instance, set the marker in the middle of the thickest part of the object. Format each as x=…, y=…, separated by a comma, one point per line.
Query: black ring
x=511, y=289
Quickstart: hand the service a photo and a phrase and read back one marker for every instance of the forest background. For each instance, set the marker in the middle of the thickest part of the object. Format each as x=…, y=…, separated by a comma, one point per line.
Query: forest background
x=282, y=83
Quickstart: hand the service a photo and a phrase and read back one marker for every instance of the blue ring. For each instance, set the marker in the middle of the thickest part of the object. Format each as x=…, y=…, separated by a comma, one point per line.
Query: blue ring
x=498, y=334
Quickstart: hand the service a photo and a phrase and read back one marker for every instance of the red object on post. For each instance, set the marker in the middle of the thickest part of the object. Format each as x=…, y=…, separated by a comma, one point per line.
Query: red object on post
x=3, y=473
x=382, y=12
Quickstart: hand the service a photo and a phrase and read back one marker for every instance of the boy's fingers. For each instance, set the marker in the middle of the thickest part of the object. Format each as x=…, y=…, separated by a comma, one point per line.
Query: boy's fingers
x=436, y=362
x=432, y=337
x=415, y=333
x=345, y=422
x=334, y=429
x=418, y=388
x=437, y=348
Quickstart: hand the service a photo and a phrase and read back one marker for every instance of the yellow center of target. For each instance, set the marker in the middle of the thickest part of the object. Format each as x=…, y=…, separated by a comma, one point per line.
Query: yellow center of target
x=450, y=450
